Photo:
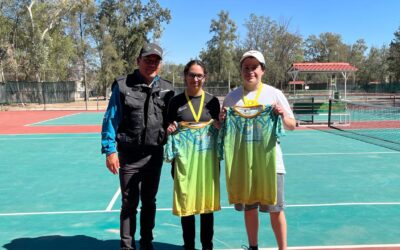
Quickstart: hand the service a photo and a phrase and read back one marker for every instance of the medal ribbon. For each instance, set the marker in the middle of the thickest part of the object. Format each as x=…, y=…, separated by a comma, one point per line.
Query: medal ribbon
x=253, y=102
x=198, y=115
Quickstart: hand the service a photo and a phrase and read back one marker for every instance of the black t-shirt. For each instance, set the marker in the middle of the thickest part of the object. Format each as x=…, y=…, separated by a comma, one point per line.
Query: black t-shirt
x=179, y=110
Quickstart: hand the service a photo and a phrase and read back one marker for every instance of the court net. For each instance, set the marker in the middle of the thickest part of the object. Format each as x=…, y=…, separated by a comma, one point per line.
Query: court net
x=376, y=124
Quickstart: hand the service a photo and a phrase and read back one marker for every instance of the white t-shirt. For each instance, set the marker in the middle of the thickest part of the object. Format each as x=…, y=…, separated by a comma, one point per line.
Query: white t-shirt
x=268, y=96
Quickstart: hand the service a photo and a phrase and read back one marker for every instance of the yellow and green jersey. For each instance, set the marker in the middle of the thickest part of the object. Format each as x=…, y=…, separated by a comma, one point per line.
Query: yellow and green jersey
x=247, y=142
x=194, y=147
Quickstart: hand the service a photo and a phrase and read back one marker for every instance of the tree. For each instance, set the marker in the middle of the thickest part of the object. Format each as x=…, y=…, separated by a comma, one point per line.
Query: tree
x=82, y=23
x=286, y=49
x=356, y=56
x=220, y=49
x=11, y=37
x=279, y=46
x=357, y=52
x=394, y=58
x=375, y=68
x=328, y=47
x=44, y=17
x=260, y=33
x=123, y=27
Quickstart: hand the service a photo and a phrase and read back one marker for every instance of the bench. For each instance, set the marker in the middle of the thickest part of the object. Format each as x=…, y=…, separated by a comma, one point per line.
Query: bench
x=317, y=112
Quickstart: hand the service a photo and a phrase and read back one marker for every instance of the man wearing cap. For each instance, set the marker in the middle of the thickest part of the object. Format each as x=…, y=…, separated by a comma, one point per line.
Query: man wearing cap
x=254, y=92
x=134, y=125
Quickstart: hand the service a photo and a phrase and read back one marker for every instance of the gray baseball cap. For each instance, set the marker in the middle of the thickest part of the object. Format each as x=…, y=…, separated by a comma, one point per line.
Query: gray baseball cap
x=151, y=49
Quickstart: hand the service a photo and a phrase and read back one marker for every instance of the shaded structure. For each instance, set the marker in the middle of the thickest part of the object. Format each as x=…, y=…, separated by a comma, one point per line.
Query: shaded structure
x=331, y=68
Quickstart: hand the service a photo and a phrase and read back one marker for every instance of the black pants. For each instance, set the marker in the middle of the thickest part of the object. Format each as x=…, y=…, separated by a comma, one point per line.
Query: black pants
x=206, y=231
x=139, y=178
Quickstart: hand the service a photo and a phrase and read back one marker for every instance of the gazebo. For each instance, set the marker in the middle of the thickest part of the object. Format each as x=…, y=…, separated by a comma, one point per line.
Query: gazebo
x=294, y=83
x=323, y=68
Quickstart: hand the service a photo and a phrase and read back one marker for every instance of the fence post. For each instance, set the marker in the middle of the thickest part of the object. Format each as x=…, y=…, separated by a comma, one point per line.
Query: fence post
x=44, y=96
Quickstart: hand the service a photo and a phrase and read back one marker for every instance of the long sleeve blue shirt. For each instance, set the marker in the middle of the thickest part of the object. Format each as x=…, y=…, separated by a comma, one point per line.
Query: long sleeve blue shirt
x=112, y=119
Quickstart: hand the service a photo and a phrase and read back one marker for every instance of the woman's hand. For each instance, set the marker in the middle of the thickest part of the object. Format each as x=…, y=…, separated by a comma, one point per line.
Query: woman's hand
x=222, y=115
x=172, y=128
x=217, y=124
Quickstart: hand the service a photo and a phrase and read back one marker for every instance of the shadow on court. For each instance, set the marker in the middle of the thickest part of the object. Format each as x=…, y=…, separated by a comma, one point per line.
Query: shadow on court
x=78, y=242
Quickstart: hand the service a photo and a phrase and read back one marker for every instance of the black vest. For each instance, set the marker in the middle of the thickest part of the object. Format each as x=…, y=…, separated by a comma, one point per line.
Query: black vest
x=144, y=112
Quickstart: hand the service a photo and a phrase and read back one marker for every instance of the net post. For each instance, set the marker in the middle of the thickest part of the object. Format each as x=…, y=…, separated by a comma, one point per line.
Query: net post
x=329, y=112
x=312, y=110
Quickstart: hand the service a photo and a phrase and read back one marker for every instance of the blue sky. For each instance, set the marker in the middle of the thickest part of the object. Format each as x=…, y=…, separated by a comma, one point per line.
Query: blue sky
x=188, y=31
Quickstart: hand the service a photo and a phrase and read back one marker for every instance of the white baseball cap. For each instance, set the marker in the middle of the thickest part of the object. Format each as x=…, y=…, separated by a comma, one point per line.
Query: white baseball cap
x=253, y=53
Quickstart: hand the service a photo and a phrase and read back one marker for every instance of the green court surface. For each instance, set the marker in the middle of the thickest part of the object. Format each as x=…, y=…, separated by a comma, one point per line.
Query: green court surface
x=56, y=193
x=86, y=118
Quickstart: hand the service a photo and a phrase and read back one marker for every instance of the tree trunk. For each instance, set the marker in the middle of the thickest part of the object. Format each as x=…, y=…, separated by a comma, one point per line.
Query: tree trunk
x=2, y=79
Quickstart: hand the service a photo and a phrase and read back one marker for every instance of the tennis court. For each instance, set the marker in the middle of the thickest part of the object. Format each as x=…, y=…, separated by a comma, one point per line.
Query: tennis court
x=56, y=193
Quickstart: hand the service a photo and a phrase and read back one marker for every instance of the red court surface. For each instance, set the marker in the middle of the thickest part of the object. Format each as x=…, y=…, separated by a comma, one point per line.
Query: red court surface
x=17, y=122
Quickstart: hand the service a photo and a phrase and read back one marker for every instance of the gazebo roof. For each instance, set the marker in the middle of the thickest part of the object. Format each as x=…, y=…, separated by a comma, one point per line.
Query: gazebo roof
x=322, y=67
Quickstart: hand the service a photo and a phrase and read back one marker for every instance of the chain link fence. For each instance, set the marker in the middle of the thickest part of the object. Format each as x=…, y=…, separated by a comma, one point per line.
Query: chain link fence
x=67, y=96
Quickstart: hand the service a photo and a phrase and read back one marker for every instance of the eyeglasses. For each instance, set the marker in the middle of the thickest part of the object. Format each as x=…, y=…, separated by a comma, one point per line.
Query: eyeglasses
x=199, y=76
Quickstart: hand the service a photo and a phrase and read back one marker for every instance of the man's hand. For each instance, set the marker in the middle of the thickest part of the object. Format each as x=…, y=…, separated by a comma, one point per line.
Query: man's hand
x=112, y=163
x=278, y=110
x=288, y=123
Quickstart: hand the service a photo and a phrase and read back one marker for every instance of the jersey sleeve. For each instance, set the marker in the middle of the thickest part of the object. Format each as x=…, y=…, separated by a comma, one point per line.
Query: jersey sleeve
x=169, y=149
x=221, y=138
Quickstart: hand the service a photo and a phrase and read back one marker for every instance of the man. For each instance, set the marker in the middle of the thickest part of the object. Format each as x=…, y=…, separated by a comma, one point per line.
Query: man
x=135, y=126
x=255, y=92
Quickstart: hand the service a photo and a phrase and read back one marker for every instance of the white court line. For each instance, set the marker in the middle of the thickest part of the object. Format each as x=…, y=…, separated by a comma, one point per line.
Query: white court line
x=347, y=204
x=60, y=212
x=377, y=246
x=46, y=138
x=230, y=207
x=114, y=198
x=343, y=153
x=52, y=119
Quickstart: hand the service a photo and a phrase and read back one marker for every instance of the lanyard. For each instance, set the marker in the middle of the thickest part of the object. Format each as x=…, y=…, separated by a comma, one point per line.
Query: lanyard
x=198, y=115
x=253, y=102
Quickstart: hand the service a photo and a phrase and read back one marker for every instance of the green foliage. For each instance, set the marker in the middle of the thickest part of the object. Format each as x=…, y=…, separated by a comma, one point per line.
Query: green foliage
x=48, y=40
x=328, y=47
x=123, y=27
x=220, y=49
x=279, y=46
x=95, y=41
x=394, y=58
x=375, y=67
